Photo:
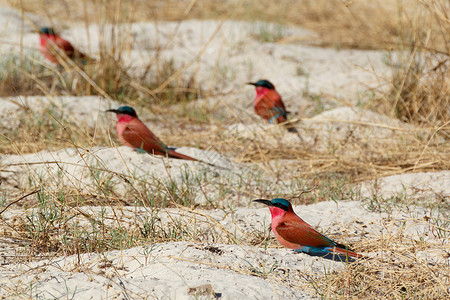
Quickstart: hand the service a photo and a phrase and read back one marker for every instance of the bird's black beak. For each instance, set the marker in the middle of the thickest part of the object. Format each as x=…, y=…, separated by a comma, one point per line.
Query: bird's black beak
x=266, y=202
x=112, y=110
x=251, y=83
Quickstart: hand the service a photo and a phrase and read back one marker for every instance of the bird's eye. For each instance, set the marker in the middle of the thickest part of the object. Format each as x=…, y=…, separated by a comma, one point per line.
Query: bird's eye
x=280, y=205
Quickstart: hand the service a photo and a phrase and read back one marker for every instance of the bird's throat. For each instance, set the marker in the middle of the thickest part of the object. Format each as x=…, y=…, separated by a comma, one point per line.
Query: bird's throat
x=44, y=38
x=123, y=118
x=261, y=92
x=277, y=212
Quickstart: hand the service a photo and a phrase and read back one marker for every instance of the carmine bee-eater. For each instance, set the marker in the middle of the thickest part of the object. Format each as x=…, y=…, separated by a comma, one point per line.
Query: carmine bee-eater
x=49, y=41
x=133, y=133
x=268, y=103
x=294, y=233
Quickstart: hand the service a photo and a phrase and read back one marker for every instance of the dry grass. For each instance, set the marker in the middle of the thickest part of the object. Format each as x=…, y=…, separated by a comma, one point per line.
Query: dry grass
x=106, y=77
x=59, y=227
x=356, y=158
x=49, y=128
x=420, y=87
x=420, y=95
x=401, y=274
x=348, y=24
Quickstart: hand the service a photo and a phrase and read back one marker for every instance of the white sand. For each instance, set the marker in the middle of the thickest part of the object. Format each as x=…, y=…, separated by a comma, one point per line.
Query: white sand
x=413, y=185
x=83, y=111
x=169, y=269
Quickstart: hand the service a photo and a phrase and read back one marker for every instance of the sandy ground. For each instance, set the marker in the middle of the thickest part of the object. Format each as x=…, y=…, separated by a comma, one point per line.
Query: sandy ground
x=169, y=270
x=213, y=268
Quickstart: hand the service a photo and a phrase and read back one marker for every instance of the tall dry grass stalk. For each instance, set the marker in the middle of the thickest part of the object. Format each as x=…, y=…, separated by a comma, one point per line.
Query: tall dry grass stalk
x=421, y=84
x=109, y=76
x=348, y=24
x=420, y=88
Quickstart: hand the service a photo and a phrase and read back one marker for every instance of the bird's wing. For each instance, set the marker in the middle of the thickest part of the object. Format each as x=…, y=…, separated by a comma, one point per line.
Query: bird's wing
x=276, y=100
x=270, y=109
x=69, y=50
x=277, y=106
x=65, y=45
x=279, y=111
x=299, y=232
x=139, y=136
x=263, y=109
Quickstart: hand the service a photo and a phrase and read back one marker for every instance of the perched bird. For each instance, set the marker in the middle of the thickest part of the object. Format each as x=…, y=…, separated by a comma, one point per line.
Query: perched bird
x=268, y=103
x=49, y=41
x=133, y=133
x=292, y=232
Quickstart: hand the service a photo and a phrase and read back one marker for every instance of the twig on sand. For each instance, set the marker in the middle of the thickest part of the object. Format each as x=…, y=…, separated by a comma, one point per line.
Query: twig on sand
x=19, y=199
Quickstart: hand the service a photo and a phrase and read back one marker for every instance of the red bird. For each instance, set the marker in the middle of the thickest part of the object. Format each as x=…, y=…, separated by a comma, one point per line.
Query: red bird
x=133, y=133
x=49, y=41
x=294, y=233
x=268, y=103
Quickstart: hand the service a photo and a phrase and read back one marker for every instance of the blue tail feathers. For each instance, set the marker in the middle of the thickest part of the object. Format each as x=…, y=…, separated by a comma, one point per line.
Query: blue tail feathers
x=325, y=252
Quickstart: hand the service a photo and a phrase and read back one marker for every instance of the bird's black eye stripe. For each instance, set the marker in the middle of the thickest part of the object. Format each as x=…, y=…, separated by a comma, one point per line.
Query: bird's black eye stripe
x=280, y=206
x=268, y=85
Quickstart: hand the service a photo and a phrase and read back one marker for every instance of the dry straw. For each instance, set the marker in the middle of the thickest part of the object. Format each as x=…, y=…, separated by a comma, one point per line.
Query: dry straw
x=419, y=95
